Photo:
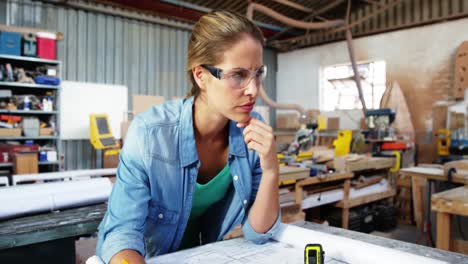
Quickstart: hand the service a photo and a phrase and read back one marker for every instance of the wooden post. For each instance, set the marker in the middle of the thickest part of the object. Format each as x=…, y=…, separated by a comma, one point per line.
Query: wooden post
x=443, y=231
x=345, y=211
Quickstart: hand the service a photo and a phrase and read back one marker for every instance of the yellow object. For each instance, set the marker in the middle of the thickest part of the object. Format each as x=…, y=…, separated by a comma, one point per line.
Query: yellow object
x=111, y=152
x=124, y=261
x=100, y=133
x=304, y=156
x=443, y=142
x=287, y=182
x=343, y=143
x=313, y=254
x=322, y=122
x=397, y=166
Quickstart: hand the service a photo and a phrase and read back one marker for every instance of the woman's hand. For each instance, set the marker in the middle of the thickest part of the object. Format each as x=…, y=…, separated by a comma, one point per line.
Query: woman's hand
x=259, y=137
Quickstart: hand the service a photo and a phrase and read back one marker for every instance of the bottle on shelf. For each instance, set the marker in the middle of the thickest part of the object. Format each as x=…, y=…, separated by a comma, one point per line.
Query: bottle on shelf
x=27, y=103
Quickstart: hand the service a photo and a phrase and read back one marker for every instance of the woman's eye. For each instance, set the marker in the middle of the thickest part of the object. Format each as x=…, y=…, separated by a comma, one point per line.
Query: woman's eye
x=239, y=75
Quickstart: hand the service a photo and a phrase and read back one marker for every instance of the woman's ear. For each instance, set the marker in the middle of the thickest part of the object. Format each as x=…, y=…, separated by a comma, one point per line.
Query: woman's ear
x=198, y=74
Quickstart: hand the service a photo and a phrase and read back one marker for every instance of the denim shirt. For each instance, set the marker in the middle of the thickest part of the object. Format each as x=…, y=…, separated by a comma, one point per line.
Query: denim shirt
x=151, y=199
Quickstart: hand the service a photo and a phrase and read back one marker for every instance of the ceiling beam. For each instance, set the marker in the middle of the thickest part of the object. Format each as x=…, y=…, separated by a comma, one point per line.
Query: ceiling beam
x=350, y=26
x=207, y=10
x=317, y=12
x=372, y=2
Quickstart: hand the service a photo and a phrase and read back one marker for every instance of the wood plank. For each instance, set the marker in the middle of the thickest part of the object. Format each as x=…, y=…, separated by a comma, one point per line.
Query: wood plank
x=288, y=173
x=345, y=211
x=419, y=184
x=443, y=231
x=460, y=246
x=364, y=163
x=367, y=199
x=435, y=174
x=324, y=178
x=454, y=201
x=50, y=226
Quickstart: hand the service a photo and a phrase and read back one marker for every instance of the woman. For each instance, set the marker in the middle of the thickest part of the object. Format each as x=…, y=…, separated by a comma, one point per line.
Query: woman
x=193, y=169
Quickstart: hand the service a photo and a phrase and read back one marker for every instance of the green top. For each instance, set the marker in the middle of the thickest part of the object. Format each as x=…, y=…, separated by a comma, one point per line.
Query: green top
x=204, y=196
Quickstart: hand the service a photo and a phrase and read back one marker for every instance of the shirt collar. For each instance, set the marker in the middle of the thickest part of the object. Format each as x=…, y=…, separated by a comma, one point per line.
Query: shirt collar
x=188, y=150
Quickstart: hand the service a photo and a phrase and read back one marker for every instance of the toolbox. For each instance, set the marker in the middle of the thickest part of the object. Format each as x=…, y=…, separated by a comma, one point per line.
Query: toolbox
x=10, y=43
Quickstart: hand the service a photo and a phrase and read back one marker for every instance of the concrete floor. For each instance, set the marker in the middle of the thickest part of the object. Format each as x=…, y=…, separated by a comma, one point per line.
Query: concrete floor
x=85, y=247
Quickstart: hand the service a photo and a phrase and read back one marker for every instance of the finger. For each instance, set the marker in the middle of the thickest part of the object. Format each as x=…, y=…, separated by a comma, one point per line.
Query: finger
x=254, y=145
x=266, y=135
x=257, y=123
x=253, y=135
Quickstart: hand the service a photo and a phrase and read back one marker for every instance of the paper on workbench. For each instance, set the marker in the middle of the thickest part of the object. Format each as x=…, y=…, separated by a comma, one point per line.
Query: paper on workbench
x=347, y=249
x=289, y=248
x=238, y=251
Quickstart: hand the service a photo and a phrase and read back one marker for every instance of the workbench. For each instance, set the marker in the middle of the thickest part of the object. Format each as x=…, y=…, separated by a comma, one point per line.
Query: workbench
x=286, y=251
x=49, y=237
x=431, y=174
x=447, y=203
x=346, y=170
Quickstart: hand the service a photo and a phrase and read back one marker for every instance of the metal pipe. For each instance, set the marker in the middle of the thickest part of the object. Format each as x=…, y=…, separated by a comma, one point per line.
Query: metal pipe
x=289, y=21
x=276, y=105
x=357, y=77
x=294, y=5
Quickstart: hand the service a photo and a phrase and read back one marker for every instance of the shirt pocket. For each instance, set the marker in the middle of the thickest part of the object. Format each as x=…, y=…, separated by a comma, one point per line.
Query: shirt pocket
x=160, y=230
x=160, y=215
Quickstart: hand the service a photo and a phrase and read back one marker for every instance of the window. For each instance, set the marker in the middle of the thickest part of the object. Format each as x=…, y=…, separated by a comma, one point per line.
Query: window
x=340, y=91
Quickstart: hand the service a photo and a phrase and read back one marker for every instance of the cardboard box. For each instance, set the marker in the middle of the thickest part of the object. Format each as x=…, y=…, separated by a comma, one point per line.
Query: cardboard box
x=328, y=123
x=48, y=131
x=287, y=121
x=141, y=103
x=363, y=124
x=25, y=163
x=10, y=132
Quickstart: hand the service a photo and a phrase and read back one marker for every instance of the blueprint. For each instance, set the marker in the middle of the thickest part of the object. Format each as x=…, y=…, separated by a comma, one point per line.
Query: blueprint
x=237, y=251
x=288, y=247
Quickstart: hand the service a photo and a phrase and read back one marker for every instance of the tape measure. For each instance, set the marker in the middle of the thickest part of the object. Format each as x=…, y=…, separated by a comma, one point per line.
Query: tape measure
x=313, y=254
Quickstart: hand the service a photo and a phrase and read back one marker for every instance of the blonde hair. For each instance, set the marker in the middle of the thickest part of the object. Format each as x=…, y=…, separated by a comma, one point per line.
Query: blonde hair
x=212, y=35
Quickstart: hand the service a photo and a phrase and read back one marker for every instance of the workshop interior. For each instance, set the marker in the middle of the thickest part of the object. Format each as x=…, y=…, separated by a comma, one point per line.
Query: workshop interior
x=367, y=99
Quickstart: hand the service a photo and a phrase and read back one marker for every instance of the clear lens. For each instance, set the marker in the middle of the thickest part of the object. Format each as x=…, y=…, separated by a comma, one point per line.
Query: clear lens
x=241, y=78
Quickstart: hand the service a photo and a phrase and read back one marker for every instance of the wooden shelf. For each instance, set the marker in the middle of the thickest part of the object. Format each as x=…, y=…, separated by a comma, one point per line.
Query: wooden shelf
x=365, y=199
x=29, y=138
x=29, y=85
x=29, y=59
x=31, y=112
x=9, y=164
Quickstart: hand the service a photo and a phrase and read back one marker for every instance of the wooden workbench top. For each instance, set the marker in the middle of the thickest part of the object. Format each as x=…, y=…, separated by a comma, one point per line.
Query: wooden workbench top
x=437, y=174
x=288, y=173
x=49, y=226
x=454, y=201
x=350, y=164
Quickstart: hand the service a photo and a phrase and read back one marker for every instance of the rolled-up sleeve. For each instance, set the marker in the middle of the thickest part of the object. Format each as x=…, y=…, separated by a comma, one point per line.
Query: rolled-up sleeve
x=123, y=226
x=260, y=238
